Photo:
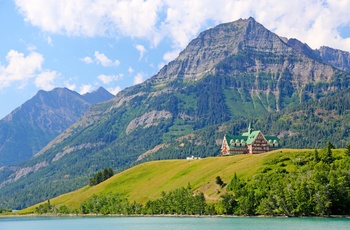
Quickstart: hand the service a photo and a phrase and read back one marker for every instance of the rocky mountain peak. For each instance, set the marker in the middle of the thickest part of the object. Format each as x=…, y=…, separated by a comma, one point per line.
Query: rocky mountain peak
x=97, y=96
x=214, y=45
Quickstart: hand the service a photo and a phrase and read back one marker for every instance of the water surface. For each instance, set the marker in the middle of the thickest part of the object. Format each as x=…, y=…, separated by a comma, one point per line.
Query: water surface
x=170, y=223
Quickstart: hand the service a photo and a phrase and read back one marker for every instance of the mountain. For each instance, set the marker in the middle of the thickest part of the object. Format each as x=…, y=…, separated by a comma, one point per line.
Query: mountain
x=34, y=124
x=229, y=75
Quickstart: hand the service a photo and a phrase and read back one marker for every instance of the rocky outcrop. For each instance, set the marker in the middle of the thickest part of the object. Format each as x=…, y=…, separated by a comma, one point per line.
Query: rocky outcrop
x=69, y=150
x=23, y=172
x=148, y=119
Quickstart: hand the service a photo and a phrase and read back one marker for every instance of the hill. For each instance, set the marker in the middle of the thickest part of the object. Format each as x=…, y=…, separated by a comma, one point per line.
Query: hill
x=229, y=75
x=30, y=127
x=147, y=181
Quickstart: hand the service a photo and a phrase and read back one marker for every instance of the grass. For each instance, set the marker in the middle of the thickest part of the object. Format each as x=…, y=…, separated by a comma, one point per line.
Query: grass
x=146, y=181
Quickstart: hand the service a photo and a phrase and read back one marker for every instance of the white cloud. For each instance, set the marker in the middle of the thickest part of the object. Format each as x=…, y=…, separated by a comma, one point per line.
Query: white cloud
x=130, y=70
x=170, y=56
x=135, y=18
x=106, y=79
x=138, y=78
x=71, y=86
x=102, y=59
x=87, y=60
x=141, y=50
x=315, y=22
x=49, y=41
x=31, y=47
x=20, y=68
x=85, y=89
x=45, y=80
x=114, y=90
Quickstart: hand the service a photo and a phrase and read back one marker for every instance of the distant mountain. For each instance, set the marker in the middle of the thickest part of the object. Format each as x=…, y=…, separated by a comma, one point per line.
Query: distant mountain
x=229, y=75
x=31, y=126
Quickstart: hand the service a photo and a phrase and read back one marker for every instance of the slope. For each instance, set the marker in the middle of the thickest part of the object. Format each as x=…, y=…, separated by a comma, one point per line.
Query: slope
x=146, y=181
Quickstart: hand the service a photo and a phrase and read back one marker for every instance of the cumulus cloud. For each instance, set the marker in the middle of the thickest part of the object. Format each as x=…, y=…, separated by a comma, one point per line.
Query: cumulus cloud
x=102, y=59
x=20, y=68
x=45, y=80
x=87, y=60
x=316, y=22
x=142, y=50
x=138, y=78
x=106, y=79
x=114, y=90
x=83, y=89
x=130, y=70
x=71, y=86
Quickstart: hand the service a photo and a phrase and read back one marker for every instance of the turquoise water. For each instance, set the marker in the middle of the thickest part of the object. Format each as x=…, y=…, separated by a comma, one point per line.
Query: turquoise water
x=170, y=223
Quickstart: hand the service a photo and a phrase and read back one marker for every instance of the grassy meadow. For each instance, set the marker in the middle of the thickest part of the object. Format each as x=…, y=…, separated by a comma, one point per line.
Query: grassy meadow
x=146, y=181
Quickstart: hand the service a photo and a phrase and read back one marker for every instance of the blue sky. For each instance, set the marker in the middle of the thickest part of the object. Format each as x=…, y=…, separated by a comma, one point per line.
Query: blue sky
x=84, y=44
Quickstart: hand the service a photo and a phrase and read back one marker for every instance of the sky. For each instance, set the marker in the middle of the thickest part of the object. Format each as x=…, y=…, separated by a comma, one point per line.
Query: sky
x=85, y=44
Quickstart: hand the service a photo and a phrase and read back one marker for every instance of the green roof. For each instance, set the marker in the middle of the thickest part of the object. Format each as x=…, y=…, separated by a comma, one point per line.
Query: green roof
x=249, y=137
x=234, y=139
x=252, y=136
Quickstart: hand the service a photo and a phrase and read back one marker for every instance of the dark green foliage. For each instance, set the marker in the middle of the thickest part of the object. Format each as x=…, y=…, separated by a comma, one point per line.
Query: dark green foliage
x=347, y=150
x=228, y=204
x=45, y=208
x=101, y=176
x=109, y=204
x=219, y=181
x=179, y=201
x=314, y=189
x=5, y=210
x=316, y=156
x=329, y=156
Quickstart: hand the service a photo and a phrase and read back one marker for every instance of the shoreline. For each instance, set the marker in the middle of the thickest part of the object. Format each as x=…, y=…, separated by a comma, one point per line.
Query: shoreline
x=163, y=215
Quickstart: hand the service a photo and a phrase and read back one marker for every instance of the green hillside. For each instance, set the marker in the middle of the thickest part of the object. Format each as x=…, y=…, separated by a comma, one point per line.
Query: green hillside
x=146, y=181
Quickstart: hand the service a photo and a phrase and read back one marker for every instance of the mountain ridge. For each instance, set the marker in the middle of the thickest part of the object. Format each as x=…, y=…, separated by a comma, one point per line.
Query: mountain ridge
x=40, y=119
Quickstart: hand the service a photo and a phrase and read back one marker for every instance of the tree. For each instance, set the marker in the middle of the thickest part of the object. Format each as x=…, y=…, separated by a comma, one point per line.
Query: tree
x=101, y=176
x=219, y=181
x=316, y=157
x=329, y=155
x=228, y=203
x=347, y=150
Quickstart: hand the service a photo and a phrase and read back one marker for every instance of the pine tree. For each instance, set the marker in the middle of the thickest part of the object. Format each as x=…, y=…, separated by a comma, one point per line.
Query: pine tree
x=329, y=155
x=347, y=150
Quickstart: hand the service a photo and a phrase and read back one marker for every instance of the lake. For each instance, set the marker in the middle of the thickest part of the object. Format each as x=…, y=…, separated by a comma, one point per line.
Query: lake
x=169, y=223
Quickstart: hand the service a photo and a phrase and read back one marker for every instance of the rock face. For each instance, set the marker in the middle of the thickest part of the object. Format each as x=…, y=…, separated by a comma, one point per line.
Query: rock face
x=148, y=119
x=338, y=58
x=229, y=73
x=39, y=120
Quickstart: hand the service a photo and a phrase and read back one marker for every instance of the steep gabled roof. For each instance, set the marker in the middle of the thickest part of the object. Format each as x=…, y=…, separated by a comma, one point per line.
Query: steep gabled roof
x=252, y=136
